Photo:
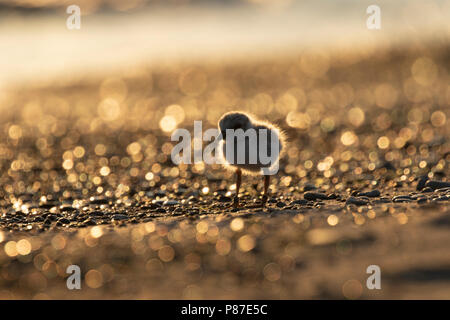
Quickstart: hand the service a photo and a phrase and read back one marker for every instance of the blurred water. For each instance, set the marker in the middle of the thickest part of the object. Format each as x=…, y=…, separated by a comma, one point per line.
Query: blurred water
x=40, y=47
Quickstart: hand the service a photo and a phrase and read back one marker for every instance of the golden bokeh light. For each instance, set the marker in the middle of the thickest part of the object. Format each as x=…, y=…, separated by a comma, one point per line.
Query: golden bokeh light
x=246, y=243
x=168, y=123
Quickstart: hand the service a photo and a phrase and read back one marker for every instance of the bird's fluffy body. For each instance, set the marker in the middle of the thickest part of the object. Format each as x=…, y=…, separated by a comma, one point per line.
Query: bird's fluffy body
x=238, y=120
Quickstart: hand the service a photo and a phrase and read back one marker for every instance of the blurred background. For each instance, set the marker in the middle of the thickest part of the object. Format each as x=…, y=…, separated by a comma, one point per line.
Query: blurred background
x=35, y=42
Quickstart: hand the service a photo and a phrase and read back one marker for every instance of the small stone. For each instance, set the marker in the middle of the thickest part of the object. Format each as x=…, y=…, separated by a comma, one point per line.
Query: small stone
x=224, y=199
x=421, y=182
x=442, y=190
x=301, y=202
x=195, y=211
x=177, y=211
x=170, y=203
x=150, y=206
x=46, y=205
x=96, y=200
x=38, y=219
x=315, y=195
x=398, y=184
x=442, y=198
x=119, y=216
x=309, y=187
x=160, y=210
x=370, y=194
x=66, y=208
x=426, y=190
x=281, y=204
x=89, y=222
x=64, y=221
x=437, y=184
x=356, y=201
x=402, y=199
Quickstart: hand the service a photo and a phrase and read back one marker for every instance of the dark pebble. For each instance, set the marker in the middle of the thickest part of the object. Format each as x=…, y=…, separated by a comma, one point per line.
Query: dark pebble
x=196, y=211
x=309, y=187
x=442, y=198
x=66, y=208
x=160, y=210
x=442, y=190
x=382, y=200
x=315, y=195
x=421, y=183
x=64, y=221
x=301, y=202
x=281, y=204
x=437, y=184
x=170, y=203
x=402, y=199
x=178, y=211
x=46, y=205
x=120, y=217
x=370, y=194
x=90, y=222
x=427, y=189
x=52, y=217
x=150, y=206
x=38, y=219
x=193, y=199
x=99, y=201
x=356, y=201
x=224, y=199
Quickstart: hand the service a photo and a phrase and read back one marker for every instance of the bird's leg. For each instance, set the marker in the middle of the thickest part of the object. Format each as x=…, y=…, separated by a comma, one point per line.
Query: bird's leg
x=238, y=186
x=266, y=188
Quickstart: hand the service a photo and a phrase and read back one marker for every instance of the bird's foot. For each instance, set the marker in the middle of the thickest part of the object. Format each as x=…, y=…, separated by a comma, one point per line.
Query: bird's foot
x=263, y=201
x=236, y=202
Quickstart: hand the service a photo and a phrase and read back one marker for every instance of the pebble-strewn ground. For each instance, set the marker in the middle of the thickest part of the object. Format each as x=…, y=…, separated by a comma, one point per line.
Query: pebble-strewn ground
x=86, y=178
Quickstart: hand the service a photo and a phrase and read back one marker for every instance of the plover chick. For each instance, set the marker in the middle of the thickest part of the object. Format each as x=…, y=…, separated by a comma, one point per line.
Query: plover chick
x=256, y=148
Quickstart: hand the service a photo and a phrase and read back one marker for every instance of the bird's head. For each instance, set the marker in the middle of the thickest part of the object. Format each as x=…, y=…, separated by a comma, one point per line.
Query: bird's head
x=234, y=121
